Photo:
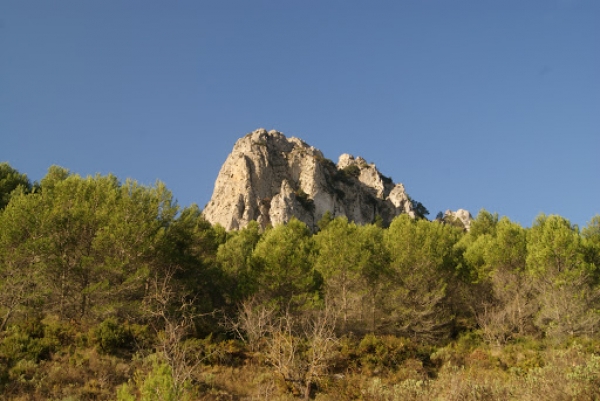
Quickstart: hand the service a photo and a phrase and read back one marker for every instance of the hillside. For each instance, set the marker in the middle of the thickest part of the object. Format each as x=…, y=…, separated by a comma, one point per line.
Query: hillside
x=109, y=290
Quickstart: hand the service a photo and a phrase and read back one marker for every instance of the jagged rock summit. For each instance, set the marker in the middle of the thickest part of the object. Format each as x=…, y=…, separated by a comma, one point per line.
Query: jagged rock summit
x=271, y=178
x=461, y=215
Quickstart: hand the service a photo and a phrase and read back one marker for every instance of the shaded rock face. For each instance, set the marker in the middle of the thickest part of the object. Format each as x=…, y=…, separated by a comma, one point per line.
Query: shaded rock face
x=271, y=178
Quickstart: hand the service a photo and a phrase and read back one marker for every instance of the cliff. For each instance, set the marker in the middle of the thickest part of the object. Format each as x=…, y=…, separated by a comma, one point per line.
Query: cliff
x=271, y=178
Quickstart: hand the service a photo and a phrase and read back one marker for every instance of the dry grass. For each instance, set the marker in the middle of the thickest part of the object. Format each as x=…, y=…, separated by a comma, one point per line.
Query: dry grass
x=465, y=371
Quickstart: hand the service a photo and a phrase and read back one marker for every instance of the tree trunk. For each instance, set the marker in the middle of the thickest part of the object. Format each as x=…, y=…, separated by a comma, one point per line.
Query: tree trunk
x=307, y=390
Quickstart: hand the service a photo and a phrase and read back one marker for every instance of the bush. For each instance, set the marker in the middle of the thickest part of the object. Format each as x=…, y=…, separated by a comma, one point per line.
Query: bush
x=376, y=354
x=156, y=385
x=348, y=174
x=458, y=352
x=19, y=344
x=112, y=337
x=351, y=171
x=304, y=200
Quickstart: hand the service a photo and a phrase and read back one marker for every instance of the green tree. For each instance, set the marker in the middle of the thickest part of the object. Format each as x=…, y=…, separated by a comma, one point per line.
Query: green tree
x=325, y=220
x=591, y=235
x=564, y=279
x=418, y=208
x=473, y=288
x=91, y=243
x=422, y=263
x=282, y=259
x=506, y=303
x=374, y=271
x=11, y=180
x=189, y=248
x=19, y=260
x=592, y=229
x=235, y=258
x=484, y=223
x=338, y=260
x=54, y=175
x=156, y=385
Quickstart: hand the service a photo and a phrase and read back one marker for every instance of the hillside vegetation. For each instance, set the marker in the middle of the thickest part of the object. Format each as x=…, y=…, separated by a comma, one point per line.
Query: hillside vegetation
x=110, y=290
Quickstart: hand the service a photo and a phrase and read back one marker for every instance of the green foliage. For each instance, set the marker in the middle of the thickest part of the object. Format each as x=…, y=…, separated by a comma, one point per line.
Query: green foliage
x=325, y=220
x=386, y=352
x=351, y=171
x=351, y=259
x=484, y=223
x=282, y=260
x=509, y=250
x=592, y=229
x=112, y=336
x=87, y=242
x=54, y=175
x=235, y=258
x=11, y=180
x=156, y=385
x=513, y=304
x=188, y=249
x=338, y=262
x=108, y=289
x=378, y=220
x=304, y=200
x=591, y=235
x=422, y=261
x=26, y=343
x=504, y=247
x=327, y=163
x=387, y=180
x=568, y=295
x=348, y=174
x=420, y=209
x=124, y=392
x=554, y=247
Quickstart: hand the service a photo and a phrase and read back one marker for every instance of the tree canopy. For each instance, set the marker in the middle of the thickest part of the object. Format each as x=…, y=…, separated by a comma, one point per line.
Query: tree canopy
x=96, y=266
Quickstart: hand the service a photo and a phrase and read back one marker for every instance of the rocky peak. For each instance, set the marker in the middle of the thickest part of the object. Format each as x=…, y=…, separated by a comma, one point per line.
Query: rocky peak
x=461, y=216
x=271, y=178
x=367, y=174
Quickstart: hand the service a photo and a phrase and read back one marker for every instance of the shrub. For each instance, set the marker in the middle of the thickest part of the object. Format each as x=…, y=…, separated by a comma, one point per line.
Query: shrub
x=20, y=345
x=156, y=385
x=304, y=200
x=351, y=171
x=112, y=337
x=385, y=352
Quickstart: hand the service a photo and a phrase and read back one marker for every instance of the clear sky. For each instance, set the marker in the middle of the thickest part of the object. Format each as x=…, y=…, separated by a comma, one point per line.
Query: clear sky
x=471, y=104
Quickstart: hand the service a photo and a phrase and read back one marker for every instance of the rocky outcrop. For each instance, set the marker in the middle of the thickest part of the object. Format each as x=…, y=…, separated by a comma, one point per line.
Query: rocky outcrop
x=271, y=178
x=460, y=216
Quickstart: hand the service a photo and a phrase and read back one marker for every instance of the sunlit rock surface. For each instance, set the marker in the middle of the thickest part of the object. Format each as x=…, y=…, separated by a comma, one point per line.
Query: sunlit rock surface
x=271, y=178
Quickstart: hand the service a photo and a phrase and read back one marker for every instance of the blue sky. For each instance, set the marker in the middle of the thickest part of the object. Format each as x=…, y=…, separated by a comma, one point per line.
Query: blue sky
x=471, y=104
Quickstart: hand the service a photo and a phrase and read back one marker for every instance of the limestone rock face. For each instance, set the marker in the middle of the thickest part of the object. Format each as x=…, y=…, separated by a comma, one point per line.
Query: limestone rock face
x=461, y=215
x=271, y=178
